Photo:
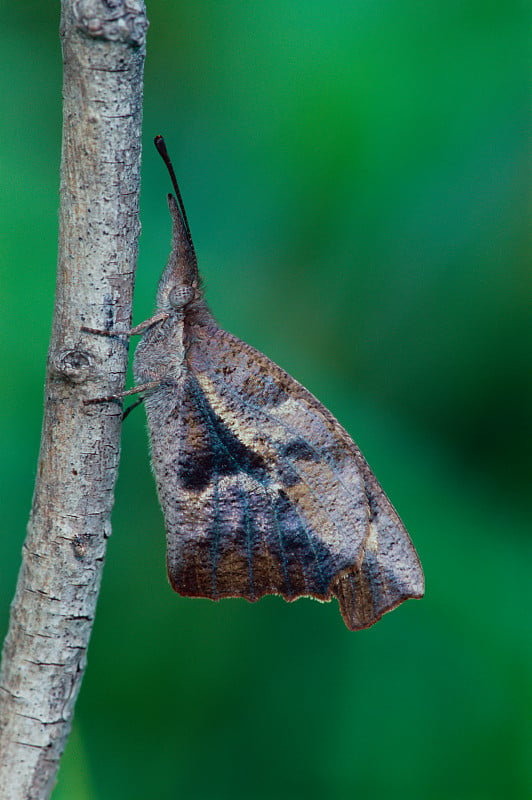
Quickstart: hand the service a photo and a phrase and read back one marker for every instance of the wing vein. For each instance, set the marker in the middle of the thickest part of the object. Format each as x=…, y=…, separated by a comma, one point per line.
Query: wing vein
x=207, y=412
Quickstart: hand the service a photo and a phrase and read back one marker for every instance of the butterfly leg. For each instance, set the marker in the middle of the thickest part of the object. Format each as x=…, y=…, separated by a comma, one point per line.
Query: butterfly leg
x=130, y=408
x=110, y=398
x=138, y=329
x=160, y=317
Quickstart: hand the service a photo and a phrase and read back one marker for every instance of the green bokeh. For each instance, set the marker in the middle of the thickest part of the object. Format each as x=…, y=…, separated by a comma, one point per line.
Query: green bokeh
x=356, y=178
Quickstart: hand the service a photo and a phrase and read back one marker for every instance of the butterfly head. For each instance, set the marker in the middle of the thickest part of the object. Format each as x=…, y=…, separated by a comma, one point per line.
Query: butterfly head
x=179, y=285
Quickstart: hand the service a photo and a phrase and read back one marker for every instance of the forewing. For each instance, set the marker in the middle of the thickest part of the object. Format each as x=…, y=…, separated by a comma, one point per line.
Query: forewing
x=264, y=492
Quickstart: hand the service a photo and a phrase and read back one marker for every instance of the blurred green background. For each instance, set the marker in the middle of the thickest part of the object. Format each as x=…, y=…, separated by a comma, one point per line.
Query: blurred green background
x=356, y=179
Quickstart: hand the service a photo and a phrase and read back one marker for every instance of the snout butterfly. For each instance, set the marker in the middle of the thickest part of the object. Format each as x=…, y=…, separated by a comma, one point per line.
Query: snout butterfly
x=262, y=490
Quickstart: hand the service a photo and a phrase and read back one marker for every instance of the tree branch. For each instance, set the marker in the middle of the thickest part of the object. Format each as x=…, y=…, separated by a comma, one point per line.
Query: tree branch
x=54, y=605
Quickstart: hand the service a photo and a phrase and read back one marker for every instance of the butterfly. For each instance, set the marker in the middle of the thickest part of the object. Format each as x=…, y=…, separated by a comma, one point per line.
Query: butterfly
x=262, y=490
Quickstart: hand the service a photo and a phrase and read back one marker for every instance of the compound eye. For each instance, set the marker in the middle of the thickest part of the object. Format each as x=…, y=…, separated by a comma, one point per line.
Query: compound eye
x=180, y=296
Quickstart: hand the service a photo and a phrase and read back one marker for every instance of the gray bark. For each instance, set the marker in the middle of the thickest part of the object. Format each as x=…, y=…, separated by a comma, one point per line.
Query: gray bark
x=54, y=606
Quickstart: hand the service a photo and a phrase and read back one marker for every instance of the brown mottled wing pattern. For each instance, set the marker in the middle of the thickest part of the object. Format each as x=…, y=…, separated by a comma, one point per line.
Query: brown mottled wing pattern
x=264, y=492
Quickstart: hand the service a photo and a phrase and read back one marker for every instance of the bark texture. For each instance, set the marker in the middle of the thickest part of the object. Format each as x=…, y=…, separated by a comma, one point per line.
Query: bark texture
x=53, y=609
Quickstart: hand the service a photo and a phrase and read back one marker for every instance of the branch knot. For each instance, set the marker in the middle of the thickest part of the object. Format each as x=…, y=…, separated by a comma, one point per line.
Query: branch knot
x=72, y=365
x=113, y=20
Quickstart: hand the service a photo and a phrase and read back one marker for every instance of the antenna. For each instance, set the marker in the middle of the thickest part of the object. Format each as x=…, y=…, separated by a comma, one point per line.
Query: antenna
x=160, y=144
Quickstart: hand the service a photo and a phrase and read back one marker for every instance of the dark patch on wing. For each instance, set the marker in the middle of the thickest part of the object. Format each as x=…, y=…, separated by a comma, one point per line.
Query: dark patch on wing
x=217, y=452
x=299, y=449
x=308, y=562
x=196, y=470
x=287, y=475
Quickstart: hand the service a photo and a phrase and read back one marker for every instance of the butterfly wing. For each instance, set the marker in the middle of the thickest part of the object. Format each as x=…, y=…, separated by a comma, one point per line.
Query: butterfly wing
x=264, y=492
